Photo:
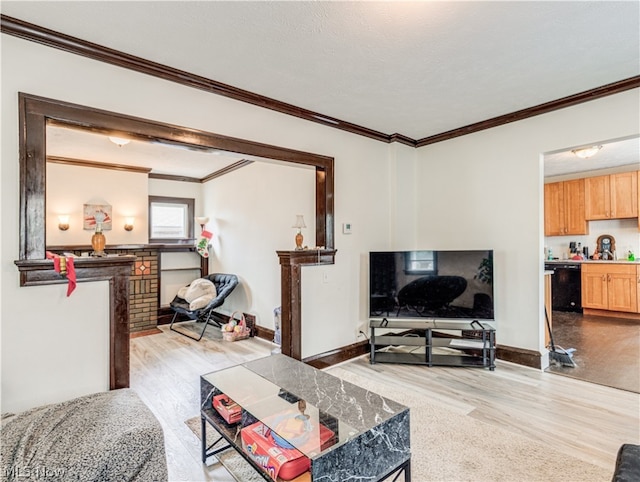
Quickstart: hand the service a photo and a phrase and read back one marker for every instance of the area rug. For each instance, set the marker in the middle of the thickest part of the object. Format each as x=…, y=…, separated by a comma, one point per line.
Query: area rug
x=448, y=446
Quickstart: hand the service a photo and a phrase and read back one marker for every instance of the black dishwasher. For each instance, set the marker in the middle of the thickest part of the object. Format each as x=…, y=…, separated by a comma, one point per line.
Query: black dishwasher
x=566, y=286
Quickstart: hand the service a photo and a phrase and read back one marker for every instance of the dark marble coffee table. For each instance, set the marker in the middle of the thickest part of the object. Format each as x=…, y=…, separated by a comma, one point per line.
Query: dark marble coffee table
x=371, y=433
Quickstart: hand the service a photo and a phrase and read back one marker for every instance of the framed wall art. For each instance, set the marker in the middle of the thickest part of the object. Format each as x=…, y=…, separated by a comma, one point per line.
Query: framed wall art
x=95, y=213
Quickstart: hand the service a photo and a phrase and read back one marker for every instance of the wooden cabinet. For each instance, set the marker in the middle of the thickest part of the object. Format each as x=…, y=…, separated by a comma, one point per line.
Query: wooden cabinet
x=611, y=287
x=612, y=197
x=564, y=208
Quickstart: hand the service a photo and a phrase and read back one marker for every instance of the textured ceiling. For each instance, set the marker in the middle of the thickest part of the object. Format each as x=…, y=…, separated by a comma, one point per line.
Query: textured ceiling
x=416, y=68
x=623, y=154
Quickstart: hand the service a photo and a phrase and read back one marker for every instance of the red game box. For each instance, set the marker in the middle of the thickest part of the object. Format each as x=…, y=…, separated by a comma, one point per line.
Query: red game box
x=227, y=408
x=277, y=460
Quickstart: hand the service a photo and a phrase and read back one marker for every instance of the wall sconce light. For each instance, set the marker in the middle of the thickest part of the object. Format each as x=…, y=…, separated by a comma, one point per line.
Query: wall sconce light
x=202, y=221
x=128, y=224
x=585, y=152
x=63, y=222
x=299, y=224
x=119, y=141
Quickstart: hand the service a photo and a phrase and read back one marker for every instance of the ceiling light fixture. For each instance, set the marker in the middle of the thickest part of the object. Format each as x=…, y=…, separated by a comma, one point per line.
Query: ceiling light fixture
x=585, y=152
x=119, y=141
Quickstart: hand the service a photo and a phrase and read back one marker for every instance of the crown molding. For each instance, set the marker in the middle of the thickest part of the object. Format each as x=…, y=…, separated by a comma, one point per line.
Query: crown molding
x=97, y=165
x=586, y=96
x=227, y=169
x=51, y=38
x=34, y=33
x=173, y=177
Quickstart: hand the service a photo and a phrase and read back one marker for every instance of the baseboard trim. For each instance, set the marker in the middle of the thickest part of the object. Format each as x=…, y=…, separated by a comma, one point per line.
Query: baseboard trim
x=520, y=356
x=265, y=333
x=611, y=314
x=333, y=357
x=138, y=334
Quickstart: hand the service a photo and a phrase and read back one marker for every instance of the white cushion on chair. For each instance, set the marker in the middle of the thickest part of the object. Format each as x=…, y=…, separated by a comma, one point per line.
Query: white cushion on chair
x=199, y=293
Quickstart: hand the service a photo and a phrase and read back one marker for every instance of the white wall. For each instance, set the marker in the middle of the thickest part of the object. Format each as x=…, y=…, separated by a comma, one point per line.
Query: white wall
x=485, y=190
x=69, y=188
x=624, y=231
x=331, y=311
x=481, y=190
x=164, y=187
x=252, y=210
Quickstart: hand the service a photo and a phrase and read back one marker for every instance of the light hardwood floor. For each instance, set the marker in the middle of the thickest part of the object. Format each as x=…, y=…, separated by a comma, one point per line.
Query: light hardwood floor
x=581, y=419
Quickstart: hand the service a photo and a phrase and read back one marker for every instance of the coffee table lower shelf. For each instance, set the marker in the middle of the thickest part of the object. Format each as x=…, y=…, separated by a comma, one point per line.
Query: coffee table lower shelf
x=227, y=436
x=365, y=437
x=230, y=433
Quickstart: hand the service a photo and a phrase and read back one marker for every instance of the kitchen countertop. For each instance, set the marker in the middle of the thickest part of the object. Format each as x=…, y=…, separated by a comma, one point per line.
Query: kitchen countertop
x=596, y=261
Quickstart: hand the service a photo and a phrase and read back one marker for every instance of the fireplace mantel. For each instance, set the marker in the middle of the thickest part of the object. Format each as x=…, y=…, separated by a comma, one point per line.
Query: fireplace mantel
x=114, y=269
x=291, y=263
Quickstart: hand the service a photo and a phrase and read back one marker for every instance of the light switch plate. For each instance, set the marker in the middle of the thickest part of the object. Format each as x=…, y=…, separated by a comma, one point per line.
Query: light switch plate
x=346, y=228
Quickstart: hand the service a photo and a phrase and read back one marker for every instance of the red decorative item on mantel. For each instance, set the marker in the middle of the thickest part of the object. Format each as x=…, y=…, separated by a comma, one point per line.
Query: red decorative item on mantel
x=66, y=268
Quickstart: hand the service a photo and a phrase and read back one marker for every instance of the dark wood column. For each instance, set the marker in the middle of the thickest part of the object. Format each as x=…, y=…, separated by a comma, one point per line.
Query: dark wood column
x=291, y=263
x=116, y=270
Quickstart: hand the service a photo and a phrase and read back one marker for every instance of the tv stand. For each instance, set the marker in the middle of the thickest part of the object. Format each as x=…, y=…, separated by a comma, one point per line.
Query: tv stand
x=417, y=345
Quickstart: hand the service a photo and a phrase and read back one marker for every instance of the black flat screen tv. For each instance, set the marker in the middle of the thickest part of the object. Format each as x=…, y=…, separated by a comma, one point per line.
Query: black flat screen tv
x=440, y=285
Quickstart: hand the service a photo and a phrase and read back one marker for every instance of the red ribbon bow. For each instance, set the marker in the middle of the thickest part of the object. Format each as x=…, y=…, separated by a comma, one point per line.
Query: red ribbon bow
x=65, y=267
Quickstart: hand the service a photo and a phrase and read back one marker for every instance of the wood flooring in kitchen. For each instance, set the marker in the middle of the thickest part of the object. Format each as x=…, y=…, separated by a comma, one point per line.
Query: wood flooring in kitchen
x=607, y=349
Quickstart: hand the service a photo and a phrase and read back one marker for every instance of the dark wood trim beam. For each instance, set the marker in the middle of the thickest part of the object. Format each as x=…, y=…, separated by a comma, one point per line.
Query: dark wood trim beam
x=77, y=115
x=171, y=177
x=97, y=165
x=325, y=227
x=50, y=38
x=586, y=96
x=227, y=170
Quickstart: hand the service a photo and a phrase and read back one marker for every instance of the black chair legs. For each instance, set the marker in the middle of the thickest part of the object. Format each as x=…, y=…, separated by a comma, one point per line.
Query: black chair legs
x=204, y=327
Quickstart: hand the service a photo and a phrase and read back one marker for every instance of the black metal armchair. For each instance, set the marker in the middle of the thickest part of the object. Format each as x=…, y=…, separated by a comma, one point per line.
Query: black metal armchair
x=224, y=283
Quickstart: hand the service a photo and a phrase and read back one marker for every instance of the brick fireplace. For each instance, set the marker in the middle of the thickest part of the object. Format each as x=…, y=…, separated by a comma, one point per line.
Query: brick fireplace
x=144, y=289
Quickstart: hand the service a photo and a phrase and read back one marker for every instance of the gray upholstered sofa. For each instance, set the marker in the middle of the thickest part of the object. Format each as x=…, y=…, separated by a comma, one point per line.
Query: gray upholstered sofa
x=627, y=464
x=111, y=436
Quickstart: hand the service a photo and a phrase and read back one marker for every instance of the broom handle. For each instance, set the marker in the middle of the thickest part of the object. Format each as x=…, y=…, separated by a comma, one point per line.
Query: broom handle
x=546, y=316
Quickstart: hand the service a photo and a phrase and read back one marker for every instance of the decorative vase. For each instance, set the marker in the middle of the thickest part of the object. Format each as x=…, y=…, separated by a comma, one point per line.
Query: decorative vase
x=98, y=241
